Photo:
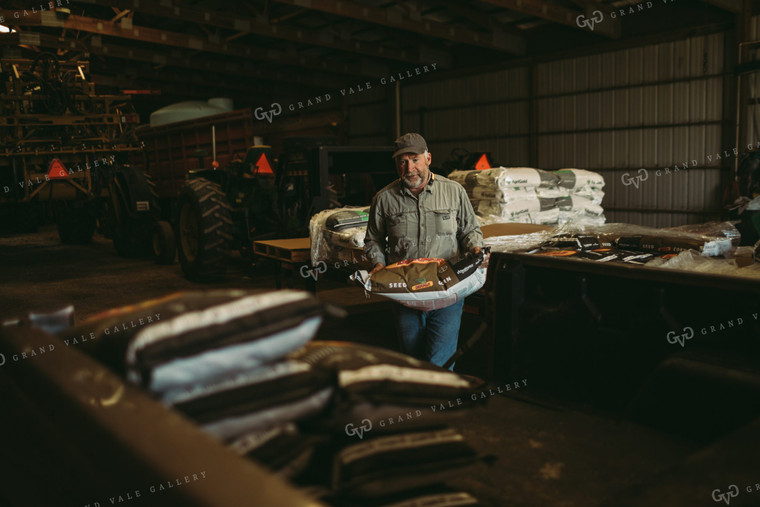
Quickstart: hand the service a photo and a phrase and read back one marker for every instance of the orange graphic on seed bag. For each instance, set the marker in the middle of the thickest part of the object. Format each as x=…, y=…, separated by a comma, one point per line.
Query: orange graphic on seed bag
x=559, y=253
x=409, y=262
x=422, y=285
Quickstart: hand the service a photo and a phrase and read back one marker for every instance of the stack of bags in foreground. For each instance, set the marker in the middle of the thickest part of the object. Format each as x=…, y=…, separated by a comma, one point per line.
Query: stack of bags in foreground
x=526, y=195
x=351, y=423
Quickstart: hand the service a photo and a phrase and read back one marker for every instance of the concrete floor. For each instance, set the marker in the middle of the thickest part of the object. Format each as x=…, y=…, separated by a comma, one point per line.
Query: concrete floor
x=548, y=454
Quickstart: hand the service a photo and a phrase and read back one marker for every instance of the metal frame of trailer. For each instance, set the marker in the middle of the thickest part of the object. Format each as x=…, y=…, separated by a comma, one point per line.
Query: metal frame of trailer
x=174, y=149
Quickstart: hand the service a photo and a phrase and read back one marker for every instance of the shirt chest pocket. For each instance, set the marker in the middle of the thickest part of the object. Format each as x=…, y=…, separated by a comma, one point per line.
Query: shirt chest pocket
x=444, y=221
x=398, y=225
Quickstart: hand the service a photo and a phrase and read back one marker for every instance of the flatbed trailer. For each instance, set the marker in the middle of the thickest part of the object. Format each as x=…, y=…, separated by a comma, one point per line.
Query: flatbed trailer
x=173, y=150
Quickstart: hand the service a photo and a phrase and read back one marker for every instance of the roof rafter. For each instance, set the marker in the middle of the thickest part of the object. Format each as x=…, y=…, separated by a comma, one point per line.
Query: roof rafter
x=727, y=5
x=496, y=40
x=561, y=15
x=126, y=30
x=263, y=27
x=235, y=70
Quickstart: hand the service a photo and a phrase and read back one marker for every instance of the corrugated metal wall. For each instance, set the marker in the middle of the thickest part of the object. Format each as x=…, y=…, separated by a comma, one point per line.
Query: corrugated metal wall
x=650, y=107
x=488, y=112
x=753, y=82
x=369, y=117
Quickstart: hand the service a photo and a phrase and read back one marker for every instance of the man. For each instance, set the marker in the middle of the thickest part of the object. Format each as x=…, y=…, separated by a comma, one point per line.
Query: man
x=422, y=215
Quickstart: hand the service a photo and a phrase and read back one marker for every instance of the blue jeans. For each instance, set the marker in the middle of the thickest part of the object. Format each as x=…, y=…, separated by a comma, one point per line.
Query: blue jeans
x=431, y=336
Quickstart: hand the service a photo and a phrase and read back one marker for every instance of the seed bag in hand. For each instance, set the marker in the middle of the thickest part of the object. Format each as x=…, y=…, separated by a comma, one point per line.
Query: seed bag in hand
x=427, y=284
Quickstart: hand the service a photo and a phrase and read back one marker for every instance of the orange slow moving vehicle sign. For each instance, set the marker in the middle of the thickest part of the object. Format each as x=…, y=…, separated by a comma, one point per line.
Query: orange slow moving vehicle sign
x=483, y=163
x=57, y=170
x=262, y=165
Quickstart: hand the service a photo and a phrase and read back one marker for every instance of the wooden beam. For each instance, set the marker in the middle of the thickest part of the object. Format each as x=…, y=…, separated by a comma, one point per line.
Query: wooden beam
x=127, y=30
x=734, y=6
x=119, y=15
x=594, y=4
x=179, y=76
x=128, y=76
x=224, y=70
x=560, y=15
x=261, y=26
x=288, y=16
x=480, y=18
x=173, y=88
x=392, y=18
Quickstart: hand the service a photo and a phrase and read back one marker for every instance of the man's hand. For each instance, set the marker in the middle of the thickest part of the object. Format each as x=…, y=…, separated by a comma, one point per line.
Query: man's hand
x=377, y=268
x=476, y=250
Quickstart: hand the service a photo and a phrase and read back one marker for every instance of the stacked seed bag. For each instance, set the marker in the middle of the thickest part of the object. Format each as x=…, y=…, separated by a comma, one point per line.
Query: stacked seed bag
x=348, y=421
x=335, y=232
x=389, y=437
x=510, y=193
x=583, y=204
x=525, y=195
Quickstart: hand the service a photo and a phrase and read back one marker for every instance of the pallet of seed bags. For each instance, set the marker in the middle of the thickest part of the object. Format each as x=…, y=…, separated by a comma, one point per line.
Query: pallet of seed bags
x=335, y=232
x=505, y=178
x=579, y=210
x=514, y=194
x=539, y=210
x=582, y=182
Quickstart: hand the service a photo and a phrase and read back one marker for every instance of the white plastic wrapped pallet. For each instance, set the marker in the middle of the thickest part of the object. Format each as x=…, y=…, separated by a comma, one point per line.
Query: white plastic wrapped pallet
x=526, y=195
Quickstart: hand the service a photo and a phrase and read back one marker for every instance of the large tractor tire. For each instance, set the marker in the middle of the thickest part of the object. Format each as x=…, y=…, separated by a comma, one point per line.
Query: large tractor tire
x=134, y=208
x=205, y=230
x=164, y=245
x=75, y=225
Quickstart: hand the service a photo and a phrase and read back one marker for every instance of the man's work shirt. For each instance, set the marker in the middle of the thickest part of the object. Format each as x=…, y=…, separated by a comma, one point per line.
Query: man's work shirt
x=433, y=224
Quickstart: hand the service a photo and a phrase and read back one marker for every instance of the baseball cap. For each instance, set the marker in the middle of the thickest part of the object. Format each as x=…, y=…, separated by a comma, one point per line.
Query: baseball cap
x=409, y=143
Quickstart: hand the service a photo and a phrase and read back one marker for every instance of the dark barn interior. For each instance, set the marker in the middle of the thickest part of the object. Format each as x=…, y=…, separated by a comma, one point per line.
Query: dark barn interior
x=211, y=247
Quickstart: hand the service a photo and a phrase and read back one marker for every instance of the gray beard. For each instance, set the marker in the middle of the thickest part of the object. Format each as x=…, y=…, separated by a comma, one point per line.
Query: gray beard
x=409, y=185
